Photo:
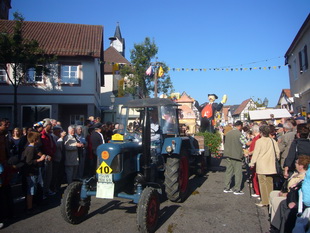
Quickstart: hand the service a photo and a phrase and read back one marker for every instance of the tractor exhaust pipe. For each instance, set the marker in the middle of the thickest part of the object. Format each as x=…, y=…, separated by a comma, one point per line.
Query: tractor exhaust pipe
x=146, y=144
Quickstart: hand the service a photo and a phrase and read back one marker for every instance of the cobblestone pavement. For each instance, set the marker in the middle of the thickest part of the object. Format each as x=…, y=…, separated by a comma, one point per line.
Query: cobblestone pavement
x=207, y=209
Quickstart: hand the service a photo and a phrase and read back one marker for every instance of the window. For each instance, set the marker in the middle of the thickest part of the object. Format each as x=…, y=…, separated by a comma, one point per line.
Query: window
x=3, y=76
x=69, y=74
x=35, y=75
x=303, y=60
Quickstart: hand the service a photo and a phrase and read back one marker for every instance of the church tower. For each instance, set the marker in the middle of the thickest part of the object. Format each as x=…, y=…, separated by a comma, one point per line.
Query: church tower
x=117, y=41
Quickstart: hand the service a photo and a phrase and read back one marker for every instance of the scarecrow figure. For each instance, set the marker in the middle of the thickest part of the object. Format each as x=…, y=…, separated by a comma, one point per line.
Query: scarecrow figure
x=208, y=111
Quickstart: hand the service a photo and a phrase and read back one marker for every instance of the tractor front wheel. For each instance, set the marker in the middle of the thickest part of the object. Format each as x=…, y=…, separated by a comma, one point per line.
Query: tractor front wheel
x=73, y=209
x=176, y=178
x=148, y=210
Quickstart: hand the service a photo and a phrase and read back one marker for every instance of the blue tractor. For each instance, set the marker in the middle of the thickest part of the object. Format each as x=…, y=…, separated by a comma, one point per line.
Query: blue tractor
x=146, y=158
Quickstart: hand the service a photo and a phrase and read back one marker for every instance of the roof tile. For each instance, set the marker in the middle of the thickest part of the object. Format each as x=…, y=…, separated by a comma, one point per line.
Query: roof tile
x=61, y=39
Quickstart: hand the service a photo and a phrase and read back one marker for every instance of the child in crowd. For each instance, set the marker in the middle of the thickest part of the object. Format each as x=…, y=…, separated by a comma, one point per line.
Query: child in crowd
x=32, y=161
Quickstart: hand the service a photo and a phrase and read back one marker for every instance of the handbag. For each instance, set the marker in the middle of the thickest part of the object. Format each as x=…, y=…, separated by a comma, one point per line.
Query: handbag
x=277, y=162
x=302, y=220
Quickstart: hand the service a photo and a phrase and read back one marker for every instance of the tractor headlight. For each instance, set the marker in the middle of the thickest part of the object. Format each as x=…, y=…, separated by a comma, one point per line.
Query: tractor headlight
x=169, y=149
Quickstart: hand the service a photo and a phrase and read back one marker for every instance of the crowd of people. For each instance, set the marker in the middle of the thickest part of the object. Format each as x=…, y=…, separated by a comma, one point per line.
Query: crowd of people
x=261, y=146
x=44, y=157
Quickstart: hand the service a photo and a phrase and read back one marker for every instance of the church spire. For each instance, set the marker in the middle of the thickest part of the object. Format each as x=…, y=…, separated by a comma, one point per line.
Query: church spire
x=117, y=33
x=117, y=41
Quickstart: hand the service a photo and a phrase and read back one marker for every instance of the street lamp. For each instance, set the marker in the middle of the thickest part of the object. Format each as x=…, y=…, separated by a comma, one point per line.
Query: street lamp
x=112, y=97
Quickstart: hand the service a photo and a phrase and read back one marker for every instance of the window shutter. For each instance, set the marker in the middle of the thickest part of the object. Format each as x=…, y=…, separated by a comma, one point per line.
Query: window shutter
x=306, y=57
x=300, y=61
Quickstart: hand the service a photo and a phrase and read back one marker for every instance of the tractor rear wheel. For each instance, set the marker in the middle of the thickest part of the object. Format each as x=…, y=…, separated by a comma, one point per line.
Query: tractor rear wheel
x=73, y=209
x=176, y=178
x=148, y=210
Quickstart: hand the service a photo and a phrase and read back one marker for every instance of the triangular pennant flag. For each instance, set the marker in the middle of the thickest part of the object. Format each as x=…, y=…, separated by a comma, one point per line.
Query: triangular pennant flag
x=149, y=71
x=160, y=72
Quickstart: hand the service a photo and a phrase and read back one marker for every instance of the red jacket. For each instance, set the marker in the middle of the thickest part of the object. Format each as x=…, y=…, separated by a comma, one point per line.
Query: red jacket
x=48, y=144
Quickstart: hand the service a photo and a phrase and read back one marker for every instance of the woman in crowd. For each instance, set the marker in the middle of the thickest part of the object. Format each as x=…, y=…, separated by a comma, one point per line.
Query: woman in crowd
x=277, y=196
x=15, y=140
x=264, y=157
x=255, y=132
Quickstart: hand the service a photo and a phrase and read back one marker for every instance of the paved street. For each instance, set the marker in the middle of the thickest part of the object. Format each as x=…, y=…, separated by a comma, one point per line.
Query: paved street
x=207, y=209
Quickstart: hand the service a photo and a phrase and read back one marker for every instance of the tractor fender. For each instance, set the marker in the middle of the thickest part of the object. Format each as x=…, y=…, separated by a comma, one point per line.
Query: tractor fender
x=177, y=144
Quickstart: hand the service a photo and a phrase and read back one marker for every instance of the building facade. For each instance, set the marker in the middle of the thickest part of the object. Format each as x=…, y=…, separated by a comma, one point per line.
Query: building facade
x=71, y=91
x=296, y=58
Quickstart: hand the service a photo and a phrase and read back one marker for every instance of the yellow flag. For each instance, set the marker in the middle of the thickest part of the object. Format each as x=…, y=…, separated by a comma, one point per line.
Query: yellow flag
x=115, y=67
x=160, y=72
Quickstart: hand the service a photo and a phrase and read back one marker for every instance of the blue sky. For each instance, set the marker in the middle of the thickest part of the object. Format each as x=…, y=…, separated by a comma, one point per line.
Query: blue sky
x=196, y=34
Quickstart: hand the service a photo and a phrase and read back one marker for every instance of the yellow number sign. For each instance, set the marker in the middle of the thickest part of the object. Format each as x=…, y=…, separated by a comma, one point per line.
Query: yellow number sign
x=104, y=168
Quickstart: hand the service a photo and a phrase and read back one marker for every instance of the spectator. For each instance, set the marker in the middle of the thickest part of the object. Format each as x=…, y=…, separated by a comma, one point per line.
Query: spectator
x=38, y=127
x=301, y=145
x=116, y=128
x=279, y=131
x=97, y=120
x=109, y=131
x=6, y=200
x=53, y=122
x=92, y=119
x=276, y=197
x=293, y=122
x=31, y=170
x=49, y=149
x=234, y=153
x=81, y=150
x=264, y=157
x=90, y=156
x=227, y=128
x=256, y=134
x=72, y=158
x=96, y=139
x=300, y=120
x=15, y=142
x=87, y=124
x=58, y=165
x=286, y=140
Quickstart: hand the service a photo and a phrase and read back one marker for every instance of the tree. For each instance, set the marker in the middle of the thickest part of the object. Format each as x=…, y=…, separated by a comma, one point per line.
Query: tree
x=20, y=55
x=139, y=83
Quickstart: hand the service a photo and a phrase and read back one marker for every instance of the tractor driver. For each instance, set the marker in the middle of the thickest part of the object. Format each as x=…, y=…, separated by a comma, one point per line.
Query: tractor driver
x=155, y=136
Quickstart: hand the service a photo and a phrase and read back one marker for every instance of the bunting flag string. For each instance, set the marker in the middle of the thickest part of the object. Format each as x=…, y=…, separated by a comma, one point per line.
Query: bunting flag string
x=149, y=71
x=227, y=69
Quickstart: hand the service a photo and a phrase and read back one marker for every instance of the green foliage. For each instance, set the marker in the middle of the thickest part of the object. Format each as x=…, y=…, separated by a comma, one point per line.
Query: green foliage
x=141, y=58
x=20, y=55
x=212, y=141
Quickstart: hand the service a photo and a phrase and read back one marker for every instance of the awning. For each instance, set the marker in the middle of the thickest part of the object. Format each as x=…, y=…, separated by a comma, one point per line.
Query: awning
x=265, y=114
